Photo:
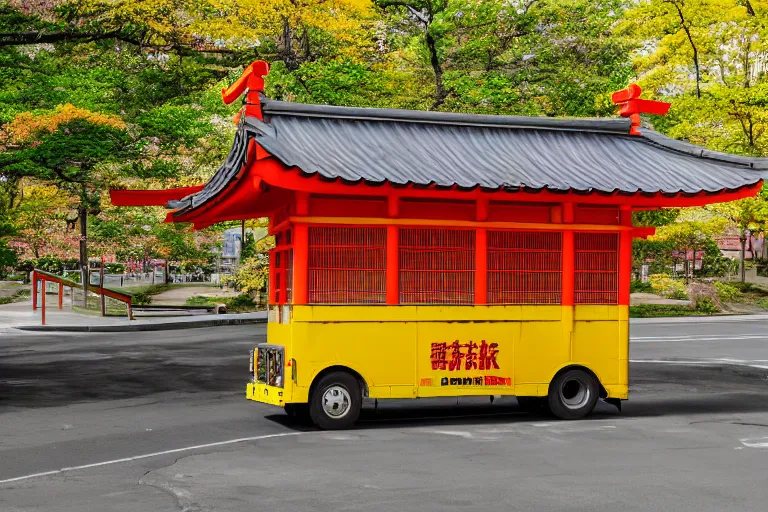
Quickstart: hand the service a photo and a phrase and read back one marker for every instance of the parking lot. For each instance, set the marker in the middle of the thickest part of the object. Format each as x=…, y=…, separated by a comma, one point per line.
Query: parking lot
x=157, y=421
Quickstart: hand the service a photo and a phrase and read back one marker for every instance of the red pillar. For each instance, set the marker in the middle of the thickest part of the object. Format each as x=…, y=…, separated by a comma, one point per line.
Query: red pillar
x=61, y=296
x=569, y=268
x=34, y=290
x=300, y=263
x=481, y=266
x=42, y=305
x=393, y=265
x=625, y=256
x=393, y=253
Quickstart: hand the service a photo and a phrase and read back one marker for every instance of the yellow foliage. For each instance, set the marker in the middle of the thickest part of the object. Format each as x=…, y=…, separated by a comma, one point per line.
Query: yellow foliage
x=26, y=126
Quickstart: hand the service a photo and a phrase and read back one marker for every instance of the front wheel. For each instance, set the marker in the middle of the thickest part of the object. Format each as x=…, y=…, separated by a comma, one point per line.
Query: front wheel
x=335, y=402
x=573, y=394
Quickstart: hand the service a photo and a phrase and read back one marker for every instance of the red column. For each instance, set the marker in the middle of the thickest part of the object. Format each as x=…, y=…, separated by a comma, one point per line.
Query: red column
x=569, y=269
x=42, y=305
x=61, y=296
x=393, y=253
x=481, y=266
x=300, y=263
x=34, y=290
x=393, y=265
x=625, y=256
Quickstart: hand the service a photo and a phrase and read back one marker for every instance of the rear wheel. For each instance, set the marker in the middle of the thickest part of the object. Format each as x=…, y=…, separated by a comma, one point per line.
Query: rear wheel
x=335, y=402
x=573, y=394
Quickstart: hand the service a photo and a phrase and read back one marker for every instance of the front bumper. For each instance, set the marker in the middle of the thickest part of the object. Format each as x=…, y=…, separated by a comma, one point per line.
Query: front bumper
x=265, y=394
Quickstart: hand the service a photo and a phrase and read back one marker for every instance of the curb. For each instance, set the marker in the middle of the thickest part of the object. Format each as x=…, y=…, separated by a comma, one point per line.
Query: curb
x=169, y=326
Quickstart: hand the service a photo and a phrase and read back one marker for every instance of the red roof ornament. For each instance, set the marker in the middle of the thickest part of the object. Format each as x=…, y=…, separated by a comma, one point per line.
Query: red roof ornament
x=631, y=106
x=252, y=82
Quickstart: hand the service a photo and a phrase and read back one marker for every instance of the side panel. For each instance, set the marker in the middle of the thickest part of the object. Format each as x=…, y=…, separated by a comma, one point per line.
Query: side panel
x=432, y=351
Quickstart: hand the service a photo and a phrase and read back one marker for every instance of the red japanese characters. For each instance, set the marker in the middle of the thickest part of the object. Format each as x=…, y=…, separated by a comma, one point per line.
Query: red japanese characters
x=453, y=357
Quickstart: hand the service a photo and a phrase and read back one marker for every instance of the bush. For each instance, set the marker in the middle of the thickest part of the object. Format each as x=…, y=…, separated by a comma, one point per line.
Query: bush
x=141, y=299
x=763, y=303
x=51, y=264
x=640, y=287
x=727, y=292
x=706, y=305
x=114, y=268
x=669, y=287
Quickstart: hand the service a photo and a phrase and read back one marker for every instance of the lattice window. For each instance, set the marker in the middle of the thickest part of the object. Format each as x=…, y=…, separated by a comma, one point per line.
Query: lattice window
x=597, y=268
x=281, y=268
x=437, y=266
x=347, y=265
x=524, y=267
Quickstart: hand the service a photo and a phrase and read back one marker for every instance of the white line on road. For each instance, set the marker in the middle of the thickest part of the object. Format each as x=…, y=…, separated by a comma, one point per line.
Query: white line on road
x=705, y=362
x=149, y=455
x=672, y=339
x=760, y=442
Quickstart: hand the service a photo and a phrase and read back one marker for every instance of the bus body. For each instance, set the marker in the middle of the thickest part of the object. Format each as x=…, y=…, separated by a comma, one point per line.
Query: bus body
x=438, y=351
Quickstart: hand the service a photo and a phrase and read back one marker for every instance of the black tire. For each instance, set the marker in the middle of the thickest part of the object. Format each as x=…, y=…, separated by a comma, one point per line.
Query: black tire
x=573, y=394
x=338, y=391
x=534, y=404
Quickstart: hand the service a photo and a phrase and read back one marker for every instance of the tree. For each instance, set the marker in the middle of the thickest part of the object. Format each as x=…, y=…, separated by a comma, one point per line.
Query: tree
x=71, y=148
x=747, y=215
x=686, y=236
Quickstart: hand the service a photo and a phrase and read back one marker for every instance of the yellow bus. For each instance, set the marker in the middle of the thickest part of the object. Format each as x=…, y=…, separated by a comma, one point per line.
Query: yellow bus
x=426, y=254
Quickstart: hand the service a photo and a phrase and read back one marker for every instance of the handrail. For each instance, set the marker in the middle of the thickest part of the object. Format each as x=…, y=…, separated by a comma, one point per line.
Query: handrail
x=45, y=277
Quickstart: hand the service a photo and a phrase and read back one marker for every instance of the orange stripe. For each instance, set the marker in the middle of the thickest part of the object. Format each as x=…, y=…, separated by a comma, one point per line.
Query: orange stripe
x=527, y=226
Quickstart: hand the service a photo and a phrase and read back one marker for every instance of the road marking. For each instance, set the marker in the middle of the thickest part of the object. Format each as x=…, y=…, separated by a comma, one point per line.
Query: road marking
x=148, y=455
x=673, y=339
x=465, y=435
x=706, y=362
x=760, y=442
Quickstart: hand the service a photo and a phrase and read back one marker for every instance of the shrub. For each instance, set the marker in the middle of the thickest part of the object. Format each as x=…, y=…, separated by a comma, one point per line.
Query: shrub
x=669, y=287
x=727, y=292
x=51, y=264
x=141, y=299
x=114, y=268
x=706, y=305
x=640, y=287
x=763, y=303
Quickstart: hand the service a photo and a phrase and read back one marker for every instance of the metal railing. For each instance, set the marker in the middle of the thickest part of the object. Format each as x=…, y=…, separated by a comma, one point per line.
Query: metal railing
x=46, y=277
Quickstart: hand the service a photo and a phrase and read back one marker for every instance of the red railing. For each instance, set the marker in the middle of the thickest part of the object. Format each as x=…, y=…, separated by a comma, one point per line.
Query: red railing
x=46, y=277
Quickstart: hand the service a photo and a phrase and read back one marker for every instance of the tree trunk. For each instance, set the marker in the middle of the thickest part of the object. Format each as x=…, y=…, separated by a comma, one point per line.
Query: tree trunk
x=83, y=214
x=742, y=269
x=693, y=47
x=440, y=92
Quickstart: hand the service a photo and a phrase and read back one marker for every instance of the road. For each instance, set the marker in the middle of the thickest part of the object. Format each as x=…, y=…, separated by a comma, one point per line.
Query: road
x=157, y=422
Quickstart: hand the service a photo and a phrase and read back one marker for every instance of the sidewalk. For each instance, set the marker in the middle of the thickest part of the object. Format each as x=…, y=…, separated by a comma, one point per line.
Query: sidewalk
x=20, y=316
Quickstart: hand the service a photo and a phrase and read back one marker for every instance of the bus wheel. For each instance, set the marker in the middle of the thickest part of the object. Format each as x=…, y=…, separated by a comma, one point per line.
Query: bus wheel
x=573, y=394
x=335, y=402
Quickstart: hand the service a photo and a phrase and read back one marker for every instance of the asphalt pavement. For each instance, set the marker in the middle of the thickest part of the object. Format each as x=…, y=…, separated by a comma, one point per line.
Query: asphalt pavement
x=157, y=421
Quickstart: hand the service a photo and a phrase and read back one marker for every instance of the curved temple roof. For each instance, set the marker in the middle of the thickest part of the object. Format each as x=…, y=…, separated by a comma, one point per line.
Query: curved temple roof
x=468, y=151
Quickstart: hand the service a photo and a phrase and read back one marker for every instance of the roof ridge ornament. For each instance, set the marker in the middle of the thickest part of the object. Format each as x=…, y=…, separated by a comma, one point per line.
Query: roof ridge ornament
x=631, y=106
x=250, y=82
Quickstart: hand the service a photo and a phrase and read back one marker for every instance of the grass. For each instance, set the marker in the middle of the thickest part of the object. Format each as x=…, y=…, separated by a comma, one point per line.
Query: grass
x=663, y=310
x=237, y=304
x=19, y=296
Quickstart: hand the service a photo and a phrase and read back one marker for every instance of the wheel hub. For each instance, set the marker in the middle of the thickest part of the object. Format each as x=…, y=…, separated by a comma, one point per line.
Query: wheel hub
x=574, y=393
x=336, y=402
